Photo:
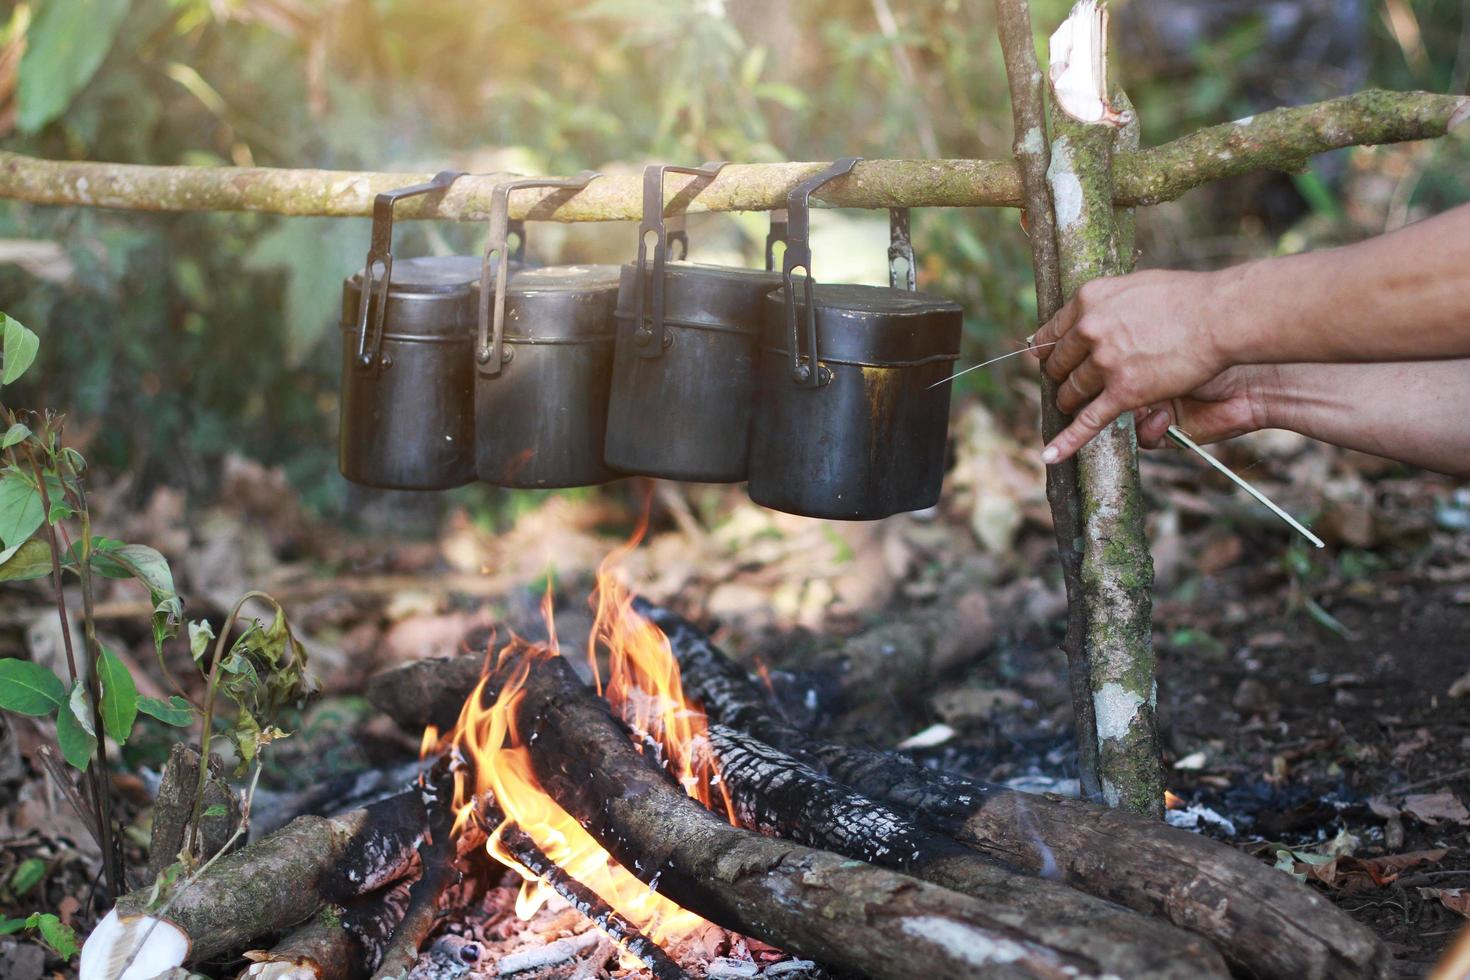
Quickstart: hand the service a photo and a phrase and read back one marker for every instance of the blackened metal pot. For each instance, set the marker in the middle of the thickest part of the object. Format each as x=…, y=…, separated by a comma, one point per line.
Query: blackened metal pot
x=544, y=364
x=684, y=363
x=853, y=406
x=407, y=409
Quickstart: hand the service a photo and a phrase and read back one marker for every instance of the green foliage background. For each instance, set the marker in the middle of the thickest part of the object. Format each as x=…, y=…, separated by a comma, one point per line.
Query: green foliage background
x=173, y=339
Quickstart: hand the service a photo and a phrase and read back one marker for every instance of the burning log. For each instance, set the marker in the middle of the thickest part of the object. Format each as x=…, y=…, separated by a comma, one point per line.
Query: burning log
x=850, y=914
x=265, y=887
x=1260, y=919
x=335, y=944
x=519, y=845
x=779, y=796
x=437, y=853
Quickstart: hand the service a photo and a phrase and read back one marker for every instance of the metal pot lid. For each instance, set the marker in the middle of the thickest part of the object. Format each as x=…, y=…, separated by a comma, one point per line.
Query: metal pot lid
x=430, y=296
x=561, y=304
x=700, y=295
x=872, y=325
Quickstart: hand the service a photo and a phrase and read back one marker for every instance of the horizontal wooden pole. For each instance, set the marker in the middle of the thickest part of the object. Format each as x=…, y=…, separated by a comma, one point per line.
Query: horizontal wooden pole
x=1279, y=139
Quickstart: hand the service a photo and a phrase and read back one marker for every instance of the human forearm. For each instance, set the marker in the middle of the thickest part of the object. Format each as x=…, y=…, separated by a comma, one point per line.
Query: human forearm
x=1399, y=297
x=1416, y=412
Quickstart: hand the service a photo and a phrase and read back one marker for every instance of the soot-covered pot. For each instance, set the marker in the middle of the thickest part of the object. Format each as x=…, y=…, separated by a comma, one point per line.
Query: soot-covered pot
x=853, y=407
x=684, y=364
x=543, y=364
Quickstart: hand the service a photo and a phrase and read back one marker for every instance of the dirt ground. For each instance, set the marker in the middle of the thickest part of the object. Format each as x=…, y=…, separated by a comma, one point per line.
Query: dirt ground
x=1315, y=706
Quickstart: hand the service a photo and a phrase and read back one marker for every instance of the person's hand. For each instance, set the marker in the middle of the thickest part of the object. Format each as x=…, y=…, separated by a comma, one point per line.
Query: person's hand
x=1130, y=341
x=1234, y=402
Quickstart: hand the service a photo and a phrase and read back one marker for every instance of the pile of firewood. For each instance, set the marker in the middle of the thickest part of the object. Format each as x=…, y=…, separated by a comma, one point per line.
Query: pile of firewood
x=853, y=858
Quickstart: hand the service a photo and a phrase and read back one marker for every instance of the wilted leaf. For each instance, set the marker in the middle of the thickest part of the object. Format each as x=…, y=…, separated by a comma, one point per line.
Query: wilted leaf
x=1436, y=808
x=119, y=696
x=29, y=689
x=201, y=635
x=148, y=566
x=175, y=711
x=64, y=47
x=20, y=347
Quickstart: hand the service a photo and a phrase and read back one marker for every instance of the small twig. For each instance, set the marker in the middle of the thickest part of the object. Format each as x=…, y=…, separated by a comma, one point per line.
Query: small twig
x=63, y=782
x=521, y=847
x=1420, y=784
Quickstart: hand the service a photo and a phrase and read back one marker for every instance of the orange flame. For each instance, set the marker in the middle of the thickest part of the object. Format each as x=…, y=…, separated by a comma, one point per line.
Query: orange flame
x=643, y=687
x=1173, y=801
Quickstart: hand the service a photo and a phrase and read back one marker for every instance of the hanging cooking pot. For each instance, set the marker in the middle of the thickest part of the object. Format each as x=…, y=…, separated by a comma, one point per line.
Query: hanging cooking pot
x=683, y=366
x=544, y=359
x=407, y=418
x=847, y=425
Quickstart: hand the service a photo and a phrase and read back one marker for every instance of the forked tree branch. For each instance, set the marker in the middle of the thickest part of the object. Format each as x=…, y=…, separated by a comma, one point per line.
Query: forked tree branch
x=1280, y=139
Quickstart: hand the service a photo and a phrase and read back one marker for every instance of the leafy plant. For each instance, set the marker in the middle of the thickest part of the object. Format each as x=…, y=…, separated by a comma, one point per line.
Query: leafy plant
x=46, y=529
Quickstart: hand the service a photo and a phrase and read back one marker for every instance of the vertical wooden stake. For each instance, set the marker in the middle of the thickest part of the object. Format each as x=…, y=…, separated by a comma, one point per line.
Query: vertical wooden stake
x=1032, y=149
x=1117, y=569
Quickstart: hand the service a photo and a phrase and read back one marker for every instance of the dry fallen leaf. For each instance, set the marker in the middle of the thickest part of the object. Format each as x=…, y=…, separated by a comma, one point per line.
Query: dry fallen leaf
x=1454, y=899
x=1350, y=874
x=1436, y=808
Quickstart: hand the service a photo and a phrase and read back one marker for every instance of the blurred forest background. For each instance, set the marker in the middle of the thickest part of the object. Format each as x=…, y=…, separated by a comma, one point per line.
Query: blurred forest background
x=174, y=340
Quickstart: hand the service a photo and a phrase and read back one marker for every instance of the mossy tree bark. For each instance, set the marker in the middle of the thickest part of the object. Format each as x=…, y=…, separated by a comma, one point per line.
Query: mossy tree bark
x=1033, y=157
x=1117, y=568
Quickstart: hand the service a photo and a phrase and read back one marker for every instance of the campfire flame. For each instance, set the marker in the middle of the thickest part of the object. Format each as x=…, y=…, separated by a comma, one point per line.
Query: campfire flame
x=644, y=688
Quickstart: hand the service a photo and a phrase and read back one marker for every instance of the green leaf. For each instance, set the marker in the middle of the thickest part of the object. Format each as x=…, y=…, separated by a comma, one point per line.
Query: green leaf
x=29, y=689
x=20, y=508
x=148, y=566
x=14, y=434
x=20, y=347
x=119, y=696
x=8, y=925
x=59, y=512
x=28, y=560
x=215, y=810
x=175, y=711
x=77, y=744
x=64, y=47
x=201, y=635
x=61, y=937
x=28, y=874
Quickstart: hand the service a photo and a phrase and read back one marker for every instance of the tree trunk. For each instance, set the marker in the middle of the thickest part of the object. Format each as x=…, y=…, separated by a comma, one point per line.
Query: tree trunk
x=1117, y=568
x=1033, y=156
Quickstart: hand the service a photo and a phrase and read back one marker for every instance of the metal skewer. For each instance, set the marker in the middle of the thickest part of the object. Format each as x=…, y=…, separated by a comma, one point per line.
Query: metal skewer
x=1177, y=434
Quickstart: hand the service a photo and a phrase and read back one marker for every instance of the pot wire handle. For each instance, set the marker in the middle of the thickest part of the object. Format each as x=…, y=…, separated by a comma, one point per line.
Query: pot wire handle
x=490, y=351
x=650, y=337
x=901, y=252
x=799, y=256
x=776, y=236
x=380, y=250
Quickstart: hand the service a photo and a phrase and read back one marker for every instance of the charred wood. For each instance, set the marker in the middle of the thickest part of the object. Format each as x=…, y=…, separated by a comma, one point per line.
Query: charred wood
x=813, y=903
x=521, y=847
x=780, y=797
x=437, y=853
x=1260, y=919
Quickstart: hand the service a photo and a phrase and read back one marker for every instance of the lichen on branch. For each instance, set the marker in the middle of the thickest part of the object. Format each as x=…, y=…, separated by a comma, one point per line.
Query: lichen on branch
x=1279, y=139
